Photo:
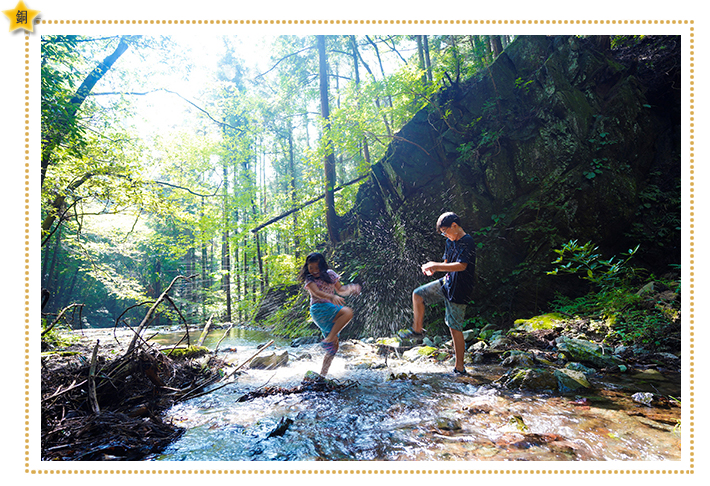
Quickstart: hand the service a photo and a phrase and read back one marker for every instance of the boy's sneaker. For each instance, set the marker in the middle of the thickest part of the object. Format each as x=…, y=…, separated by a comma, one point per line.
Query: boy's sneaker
x=410, y=335
x=460, y=373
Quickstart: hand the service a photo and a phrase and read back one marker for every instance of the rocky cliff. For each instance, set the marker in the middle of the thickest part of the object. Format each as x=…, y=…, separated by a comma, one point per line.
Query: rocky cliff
x=554, y=141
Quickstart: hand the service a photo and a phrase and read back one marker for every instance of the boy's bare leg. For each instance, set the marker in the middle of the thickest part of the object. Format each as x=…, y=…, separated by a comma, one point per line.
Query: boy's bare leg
x=418, y=308
x=342, y=318
x=327, y=360
x=459, y=347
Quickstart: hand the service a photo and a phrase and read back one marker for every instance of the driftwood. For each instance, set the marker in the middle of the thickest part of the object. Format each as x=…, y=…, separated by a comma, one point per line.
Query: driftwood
x=200, y=386
x=92, y=380
x=205, y=331
x=150, y=314
x=94, y=409
x=223, y=336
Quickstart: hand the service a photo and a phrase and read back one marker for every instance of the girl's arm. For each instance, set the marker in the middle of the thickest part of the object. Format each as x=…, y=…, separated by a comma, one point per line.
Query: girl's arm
x=335, y=299
x=347, y=289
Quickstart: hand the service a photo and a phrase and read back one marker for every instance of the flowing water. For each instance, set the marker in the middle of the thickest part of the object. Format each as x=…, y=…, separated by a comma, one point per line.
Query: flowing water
x=401, y=410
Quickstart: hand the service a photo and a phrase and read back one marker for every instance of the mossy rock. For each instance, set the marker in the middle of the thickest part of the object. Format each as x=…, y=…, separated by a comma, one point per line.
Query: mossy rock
x=393, y=342
x=586, y=352
x=545, y=321
x=189, y=352
x=419, y=352
x=569, y=380
x=487, y=332
x=533, y=379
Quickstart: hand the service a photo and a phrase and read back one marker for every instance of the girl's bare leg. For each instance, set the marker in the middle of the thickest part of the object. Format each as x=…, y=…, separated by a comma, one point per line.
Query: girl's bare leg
x=342, y=318
x=327, y=360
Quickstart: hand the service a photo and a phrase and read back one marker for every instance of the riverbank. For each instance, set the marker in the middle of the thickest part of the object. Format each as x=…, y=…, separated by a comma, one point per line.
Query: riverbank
x=133, y=394
x=102, y=402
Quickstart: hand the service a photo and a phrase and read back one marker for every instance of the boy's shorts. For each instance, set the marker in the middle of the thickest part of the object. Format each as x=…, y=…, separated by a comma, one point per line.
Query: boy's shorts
x=323, y=315
x=433, y=293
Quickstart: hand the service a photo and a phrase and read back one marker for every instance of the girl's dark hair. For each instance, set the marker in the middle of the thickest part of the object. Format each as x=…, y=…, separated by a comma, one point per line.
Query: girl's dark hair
x=305, y=275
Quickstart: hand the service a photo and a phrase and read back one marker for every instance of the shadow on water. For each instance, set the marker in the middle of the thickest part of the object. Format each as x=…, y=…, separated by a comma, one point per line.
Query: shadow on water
x=408, y=411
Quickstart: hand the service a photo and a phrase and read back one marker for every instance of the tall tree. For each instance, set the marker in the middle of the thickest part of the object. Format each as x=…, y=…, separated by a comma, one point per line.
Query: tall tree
x=63, y=115
x=331, y=216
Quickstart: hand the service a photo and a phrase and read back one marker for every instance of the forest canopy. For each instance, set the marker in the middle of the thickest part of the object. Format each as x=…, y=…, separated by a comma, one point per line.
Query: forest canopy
x=224, y=159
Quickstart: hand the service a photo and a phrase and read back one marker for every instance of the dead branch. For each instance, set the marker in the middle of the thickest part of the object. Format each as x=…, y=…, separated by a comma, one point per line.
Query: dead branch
x=61, y=314
x=187, y=326
x=93, y=401
x=189, y=393
x=177, y=344
x=205, y=331
x=223, y=336
x=59, y=390
x=149, y=316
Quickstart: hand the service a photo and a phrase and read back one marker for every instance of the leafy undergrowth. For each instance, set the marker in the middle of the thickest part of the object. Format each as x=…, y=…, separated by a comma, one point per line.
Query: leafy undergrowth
x=635, y=310
x=647, y=318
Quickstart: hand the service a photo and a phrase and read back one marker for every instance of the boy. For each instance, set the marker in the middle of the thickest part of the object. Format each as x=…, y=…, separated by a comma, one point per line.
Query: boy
x=455, y=288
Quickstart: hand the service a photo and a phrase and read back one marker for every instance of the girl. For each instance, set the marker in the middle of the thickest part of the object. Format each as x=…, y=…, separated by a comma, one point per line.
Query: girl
x=327, y=309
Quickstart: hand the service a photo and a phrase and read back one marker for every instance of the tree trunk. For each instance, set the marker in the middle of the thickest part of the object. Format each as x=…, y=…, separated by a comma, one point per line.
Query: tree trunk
x=260, y=261
x=356, y=70
x=331, y=217
x=226, y=263
x=420, y=53
x=427, y=58
x=377, y=100
x=487, y=49
x=51, y=278
x=51, y=141
x=205, y=266
x=384, y=76
x=496, y=45
x=294, y=195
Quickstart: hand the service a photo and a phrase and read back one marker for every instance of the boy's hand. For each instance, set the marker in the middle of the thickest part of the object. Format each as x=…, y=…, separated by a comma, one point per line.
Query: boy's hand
x=428, y=268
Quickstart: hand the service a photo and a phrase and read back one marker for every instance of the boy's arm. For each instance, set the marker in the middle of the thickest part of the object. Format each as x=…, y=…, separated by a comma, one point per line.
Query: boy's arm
x=430, y=268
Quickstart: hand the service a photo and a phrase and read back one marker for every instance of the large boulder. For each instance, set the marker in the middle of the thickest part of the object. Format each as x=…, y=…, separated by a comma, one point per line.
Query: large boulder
x=531, y=379
x=587, y=352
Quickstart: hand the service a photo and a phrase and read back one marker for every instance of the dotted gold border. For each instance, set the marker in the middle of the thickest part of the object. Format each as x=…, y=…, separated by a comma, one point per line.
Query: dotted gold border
x=368, y=22
x=690, y=426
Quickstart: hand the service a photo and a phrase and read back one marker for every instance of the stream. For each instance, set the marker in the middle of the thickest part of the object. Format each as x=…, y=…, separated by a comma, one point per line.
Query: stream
x=412, y=411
